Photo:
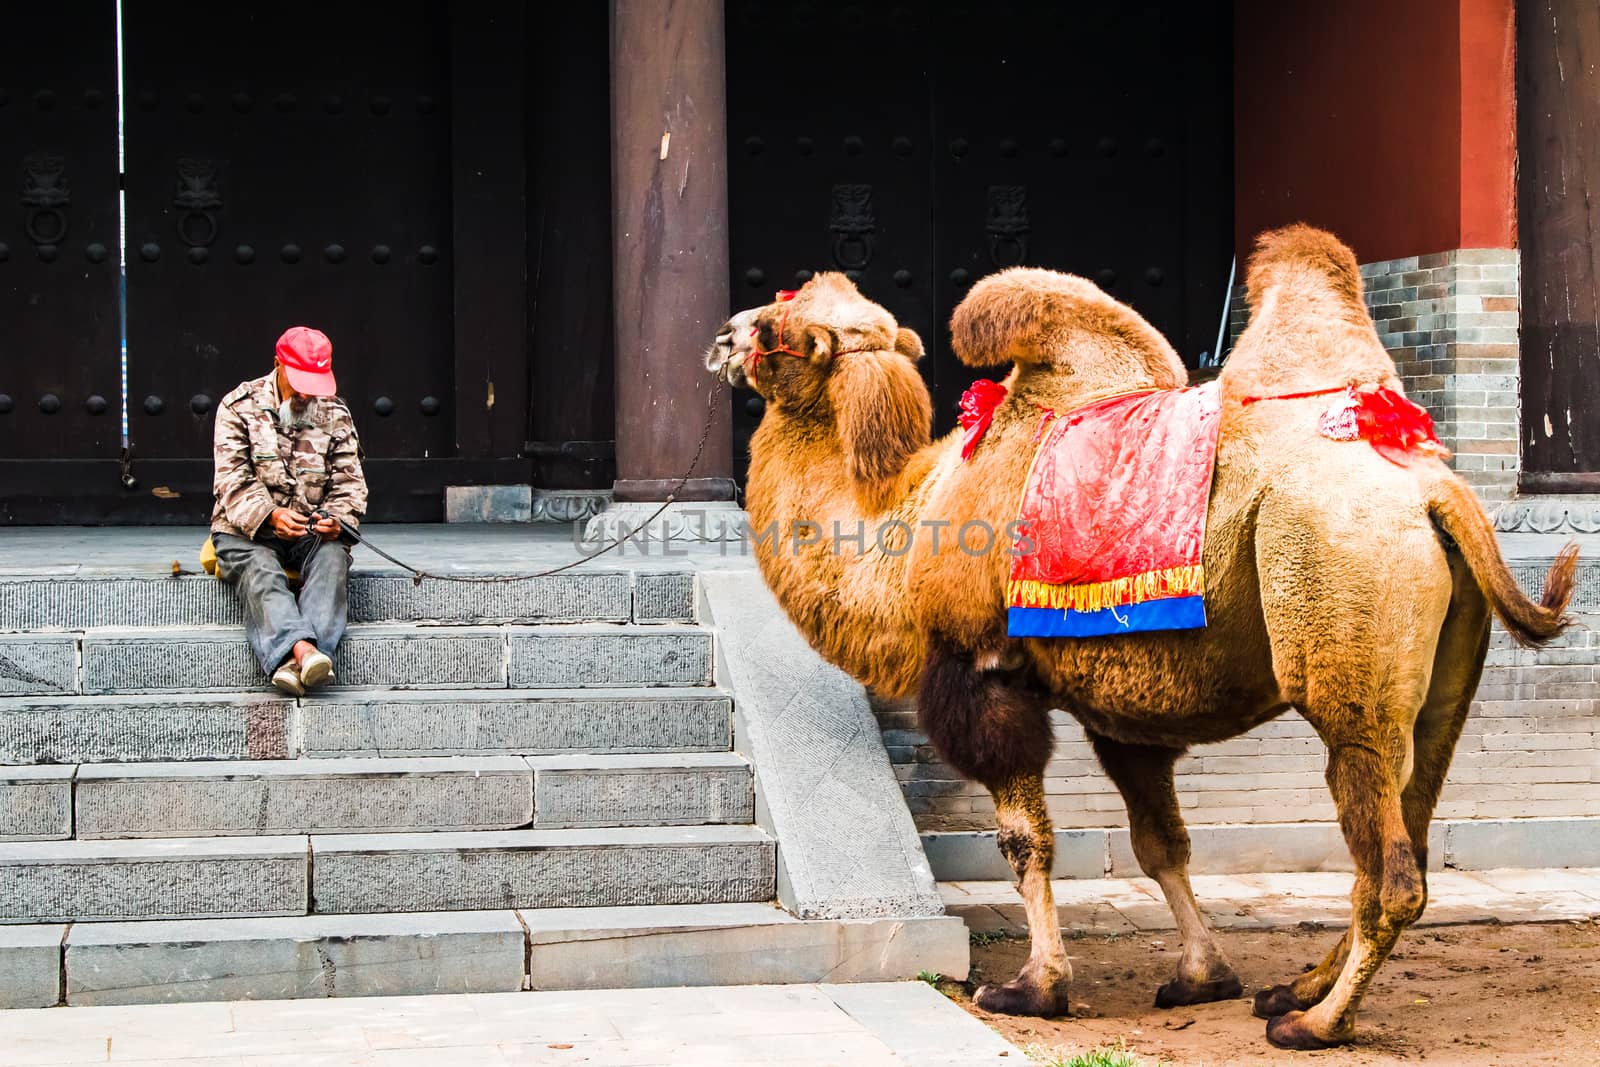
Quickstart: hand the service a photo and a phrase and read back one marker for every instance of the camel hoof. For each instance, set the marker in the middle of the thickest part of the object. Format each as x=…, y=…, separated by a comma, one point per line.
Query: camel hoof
x=1182, y=991
x=1279, y=1000
x=1290, y=1031
x=1021, y=996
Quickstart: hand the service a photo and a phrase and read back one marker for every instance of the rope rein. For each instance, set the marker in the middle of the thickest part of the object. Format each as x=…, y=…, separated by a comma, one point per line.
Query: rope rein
x=418, y=574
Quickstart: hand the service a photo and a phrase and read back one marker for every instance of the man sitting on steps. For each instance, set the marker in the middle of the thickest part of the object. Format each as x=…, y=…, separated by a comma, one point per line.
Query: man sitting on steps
x=288, y=468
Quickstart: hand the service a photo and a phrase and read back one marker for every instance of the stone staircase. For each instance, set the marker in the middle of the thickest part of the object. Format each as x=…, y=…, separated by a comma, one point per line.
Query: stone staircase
x=529, y=785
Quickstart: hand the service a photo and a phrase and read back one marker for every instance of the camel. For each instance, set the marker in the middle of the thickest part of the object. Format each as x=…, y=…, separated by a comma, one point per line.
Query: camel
x=1354, y=590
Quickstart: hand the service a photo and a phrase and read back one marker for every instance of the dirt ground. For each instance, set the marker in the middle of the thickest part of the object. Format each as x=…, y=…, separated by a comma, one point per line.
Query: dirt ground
x=1474, y=996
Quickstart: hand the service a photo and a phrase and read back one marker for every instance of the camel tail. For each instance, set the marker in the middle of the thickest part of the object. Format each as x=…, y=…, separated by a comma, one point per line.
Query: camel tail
x=1456, y=511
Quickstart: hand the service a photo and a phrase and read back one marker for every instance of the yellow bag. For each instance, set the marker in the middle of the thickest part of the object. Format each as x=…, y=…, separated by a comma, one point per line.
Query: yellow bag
x=208, y=562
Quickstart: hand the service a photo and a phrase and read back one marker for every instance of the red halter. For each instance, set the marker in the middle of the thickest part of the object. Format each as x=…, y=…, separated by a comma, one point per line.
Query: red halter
x=756, y=353
x=784, y=296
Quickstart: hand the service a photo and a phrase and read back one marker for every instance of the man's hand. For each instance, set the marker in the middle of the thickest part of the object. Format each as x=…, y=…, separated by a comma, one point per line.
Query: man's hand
x=328, y=527
x=288, y=525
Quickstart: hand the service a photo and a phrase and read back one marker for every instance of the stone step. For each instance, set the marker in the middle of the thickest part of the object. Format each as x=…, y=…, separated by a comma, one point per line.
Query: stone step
x=229, y=877
x=180, y=878
x=540, y=869
x=349, y=722
x=61, y=602
x=476, y=951
x=368, y=796
x=533, y=722
x=148, y=800
x=715, y=788
x=371, y=656
x=35, y=803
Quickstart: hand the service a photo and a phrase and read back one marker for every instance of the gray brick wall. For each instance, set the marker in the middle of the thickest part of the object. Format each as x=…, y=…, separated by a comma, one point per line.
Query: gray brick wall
x=1531, y=747
x=1450, y=321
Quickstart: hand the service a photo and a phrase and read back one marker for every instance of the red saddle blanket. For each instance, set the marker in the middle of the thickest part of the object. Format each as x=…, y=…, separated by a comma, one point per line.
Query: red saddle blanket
x=1113, y=518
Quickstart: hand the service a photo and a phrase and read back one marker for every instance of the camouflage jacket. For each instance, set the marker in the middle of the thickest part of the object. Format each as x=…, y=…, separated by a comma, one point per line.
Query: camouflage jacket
x=260, y=467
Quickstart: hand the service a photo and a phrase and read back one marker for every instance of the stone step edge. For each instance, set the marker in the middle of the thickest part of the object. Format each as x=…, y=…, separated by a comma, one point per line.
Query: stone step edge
x=645, y=595
x=487, y=951
x=356, y=767
x=385, y=629
x=79, y=665
x=280, y=846
x=238, y=725
x=85, y=811
x=10, y=702
x=1534, y=842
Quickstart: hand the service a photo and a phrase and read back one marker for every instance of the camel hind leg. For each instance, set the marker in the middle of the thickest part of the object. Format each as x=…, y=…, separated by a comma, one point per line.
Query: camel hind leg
x=1457, y=667
x=996, y=730
x=1388, y=895
x=1143, y=774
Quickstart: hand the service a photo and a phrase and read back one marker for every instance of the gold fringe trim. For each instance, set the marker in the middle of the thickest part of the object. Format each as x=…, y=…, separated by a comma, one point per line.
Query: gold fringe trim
x=1118, y=592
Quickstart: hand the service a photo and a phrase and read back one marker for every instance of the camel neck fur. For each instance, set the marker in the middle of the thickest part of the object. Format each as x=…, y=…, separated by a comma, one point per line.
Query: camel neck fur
x=821, y=531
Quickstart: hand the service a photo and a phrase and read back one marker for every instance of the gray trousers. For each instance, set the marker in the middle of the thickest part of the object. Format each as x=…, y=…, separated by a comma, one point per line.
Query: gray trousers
x=275, y=619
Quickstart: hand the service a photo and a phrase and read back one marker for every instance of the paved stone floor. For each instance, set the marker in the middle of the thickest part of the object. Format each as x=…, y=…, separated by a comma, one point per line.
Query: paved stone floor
x=1260, y=901
x=907, y=1024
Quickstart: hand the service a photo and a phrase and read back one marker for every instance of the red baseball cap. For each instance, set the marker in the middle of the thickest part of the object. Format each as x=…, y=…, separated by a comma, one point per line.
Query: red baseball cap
x=307, y=358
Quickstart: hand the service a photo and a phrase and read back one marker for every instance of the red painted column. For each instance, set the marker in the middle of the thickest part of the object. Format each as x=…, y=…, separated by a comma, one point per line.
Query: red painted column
x=1393, y=125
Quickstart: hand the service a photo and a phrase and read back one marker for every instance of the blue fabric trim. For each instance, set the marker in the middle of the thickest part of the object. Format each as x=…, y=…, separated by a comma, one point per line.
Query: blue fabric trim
x=1174, y=613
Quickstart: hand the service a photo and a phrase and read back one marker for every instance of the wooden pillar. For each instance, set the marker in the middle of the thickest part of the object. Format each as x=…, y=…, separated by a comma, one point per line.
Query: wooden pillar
x=669, y=196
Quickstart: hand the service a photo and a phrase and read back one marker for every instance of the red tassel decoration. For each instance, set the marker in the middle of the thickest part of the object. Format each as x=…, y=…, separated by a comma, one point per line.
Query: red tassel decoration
x=977, y=412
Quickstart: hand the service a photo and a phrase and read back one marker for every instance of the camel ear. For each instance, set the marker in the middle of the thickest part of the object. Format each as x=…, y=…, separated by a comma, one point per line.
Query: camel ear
x=883, y=415
x=908, y=344
x=820, y=343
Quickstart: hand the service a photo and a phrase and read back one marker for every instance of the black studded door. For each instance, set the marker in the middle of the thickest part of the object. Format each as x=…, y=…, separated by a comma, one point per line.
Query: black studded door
x=830, y=158
x=289, y=164
x=942, y=142
x=60, y=383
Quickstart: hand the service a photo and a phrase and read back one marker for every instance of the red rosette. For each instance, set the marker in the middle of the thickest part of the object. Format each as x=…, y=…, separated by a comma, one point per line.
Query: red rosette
x=1396, y=427
x=977, y=412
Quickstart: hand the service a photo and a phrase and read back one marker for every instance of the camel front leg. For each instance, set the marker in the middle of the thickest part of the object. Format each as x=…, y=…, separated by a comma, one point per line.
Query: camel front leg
x=994, y=728
x=1027, y=839
x=1143, y=774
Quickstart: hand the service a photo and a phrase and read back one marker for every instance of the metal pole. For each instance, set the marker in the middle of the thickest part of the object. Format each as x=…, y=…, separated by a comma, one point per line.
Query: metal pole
x=1222, y=327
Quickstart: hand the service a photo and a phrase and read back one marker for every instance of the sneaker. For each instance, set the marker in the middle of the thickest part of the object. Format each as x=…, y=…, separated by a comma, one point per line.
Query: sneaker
x=315, y=669
x=287, y=680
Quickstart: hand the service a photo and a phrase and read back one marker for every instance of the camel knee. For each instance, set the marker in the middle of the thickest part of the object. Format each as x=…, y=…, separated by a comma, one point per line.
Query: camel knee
x=1405, y=889
x=1025, y=849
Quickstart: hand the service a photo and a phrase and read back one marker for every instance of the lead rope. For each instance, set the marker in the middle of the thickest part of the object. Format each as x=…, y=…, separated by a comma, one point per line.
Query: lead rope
x=418, y=574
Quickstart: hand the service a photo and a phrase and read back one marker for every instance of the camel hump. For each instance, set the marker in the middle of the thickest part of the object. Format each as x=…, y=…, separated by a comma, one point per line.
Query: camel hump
x=1030, y=315
x=1456, y=511
x=1303, y=255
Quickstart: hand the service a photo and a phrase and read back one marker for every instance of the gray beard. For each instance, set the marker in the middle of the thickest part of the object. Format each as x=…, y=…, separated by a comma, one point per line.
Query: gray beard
x=295, y=412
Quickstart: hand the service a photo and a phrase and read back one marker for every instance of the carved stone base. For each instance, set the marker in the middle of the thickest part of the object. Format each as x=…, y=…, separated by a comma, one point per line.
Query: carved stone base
x=569, y=505
x=709, y=521
x=1549, y=515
